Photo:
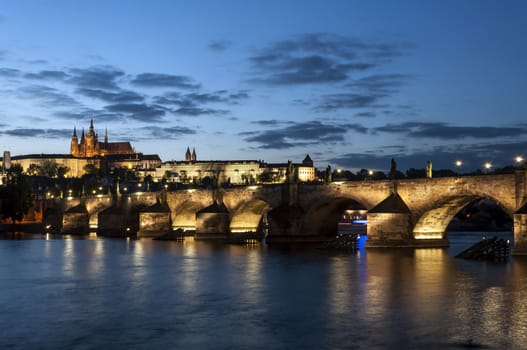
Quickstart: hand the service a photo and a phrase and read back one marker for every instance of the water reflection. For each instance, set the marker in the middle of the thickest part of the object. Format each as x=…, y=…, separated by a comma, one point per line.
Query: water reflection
x=191, y=294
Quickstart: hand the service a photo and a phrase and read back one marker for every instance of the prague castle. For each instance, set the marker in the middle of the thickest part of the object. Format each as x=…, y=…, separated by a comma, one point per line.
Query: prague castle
x=89, y=145
x=88, y=151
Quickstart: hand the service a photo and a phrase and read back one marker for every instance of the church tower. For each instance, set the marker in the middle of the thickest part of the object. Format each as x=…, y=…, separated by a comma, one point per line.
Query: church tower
x=193, y=157
x=82, y=145
x=91, y=141
x=188, y=156
x=74, y=148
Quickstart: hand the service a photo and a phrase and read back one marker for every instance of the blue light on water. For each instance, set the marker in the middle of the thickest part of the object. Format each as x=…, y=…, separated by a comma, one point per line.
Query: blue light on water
x=360, y=222
x=362, y=241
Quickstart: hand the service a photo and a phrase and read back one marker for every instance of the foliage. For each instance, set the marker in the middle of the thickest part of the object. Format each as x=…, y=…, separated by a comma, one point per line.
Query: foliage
x=16, y=196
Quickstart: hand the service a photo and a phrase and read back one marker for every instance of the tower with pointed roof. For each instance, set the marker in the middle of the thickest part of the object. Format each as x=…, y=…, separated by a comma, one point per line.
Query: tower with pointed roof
x=193, y=157
x=188, y=156
x=74, y=148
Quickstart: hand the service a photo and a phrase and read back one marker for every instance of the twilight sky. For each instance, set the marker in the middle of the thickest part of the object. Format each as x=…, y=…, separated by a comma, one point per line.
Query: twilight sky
x=352, y=83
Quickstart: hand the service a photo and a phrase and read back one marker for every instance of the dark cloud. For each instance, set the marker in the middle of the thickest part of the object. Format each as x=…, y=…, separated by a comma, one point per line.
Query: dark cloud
x=192, y=104
x=40, y=133
x=271, y=122
x=36, y=61
x=196, y=99
x=48, y=75
x=9, y=73
x=366, y=114
x=197, y=111
x=298, y=134
x=86, y=114
x=164, y=80
x=97, y=77
x=444, y=131
x=319, y=58
x=50, y=96
x=219, y=45
x=120, y=96
x=168, y=133
x=348, y=101
x=138, y=111
x=380, y=83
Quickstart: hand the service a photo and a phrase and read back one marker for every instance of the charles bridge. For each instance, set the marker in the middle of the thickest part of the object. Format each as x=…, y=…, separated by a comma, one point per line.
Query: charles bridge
x=407, y=212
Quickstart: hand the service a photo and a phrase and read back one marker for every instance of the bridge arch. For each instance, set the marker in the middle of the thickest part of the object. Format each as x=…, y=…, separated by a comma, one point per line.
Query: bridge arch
x=433, y=223
x=248, y=216
x=185, y=215
x=322, y=219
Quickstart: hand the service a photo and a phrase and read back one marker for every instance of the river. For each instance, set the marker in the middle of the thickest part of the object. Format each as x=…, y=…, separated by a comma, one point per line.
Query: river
x=96, y=293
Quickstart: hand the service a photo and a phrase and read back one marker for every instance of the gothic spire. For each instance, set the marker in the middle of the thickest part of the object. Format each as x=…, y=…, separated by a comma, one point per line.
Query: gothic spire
x=106, y=136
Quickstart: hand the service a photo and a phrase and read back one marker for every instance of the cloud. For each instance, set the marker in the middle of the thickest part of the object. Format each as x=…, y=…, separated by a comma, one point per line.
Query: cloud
x=380, y=83
x=197, y=111
x=365, y=114
x=272, y=122
x=9, y=73
x=97, y=77
x=50, y=96
x=219, y=45
x=36, y=61
x=170, y=133
x=298, y=134
x=138, y=111
x=40, y=133
x=120, y=96
x=191, y=104
x=347, y=101
x=319, y=58
x=48, y=75
x=443, y=131
x=164, y=80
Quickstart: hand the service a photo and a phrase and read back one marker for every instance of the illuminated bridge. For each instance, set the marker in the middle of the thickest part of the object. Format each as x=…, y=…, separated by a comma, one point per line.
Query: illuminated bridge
x=408, y=212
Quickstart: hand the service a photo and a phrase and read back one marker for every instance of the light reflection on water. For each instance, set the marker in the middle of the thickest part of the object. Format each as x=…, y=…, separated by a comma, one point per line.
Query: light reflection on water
x=75, y=293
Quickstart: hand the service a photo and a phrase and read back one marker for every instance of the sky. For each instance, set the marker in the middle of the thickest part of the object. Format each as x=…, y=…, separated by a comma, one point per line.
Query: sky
x=351, y=83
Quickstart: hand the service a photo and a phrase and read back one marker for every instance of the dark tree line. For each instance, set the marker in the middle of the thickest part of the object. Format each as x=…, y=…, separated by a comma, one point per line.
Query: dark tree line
x=16, y=195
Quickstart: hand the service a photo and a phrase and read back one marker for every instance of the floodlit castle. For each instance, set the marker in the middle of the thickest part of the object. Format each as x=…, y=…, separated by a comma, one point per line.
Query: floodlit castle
x=89, y=145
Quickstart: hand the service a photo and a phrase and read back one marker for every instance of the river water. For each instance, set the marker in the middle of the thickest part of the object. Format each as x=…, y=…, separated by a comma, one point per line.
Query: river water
x=87, y=293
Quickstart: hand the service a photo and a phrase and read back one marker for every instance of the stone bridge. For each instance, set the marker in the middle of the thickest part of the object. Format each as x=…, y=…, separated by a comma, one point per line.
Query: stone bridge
x=408, y=212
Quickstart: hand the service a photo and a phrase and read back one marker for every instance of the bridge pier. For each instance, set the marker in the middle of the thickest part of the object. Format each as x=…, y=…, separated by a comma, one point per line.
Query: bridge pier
x=390, y=225
x=520, y=231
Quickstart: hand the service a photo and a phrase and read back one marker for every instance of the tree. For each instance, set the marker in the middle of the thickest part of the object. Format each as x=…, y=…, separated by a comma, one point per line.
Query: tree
x=16, y=195
x=48, y=169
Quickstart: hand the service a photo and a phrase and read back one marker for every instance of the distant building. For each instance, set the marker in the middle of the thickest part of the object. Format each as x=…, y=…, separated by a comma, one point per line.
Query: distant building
x=234, y=172
x=192, y=170
x=304, y=172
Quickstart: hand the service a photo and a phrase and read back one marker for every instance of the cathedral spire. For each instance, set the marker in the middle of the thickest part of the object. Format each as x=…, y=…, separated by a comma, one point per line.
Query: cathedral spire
x=91, y=131
x=193, y=157
x=106, y=136
x=188, y=157
x=74, y=131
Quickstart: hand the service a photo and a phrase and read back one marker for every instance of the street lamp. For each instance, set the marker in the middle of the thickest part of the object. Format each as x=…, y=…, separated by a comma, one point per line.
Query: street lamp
x=458, y=163
x=488, y=165
x=519, y=159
